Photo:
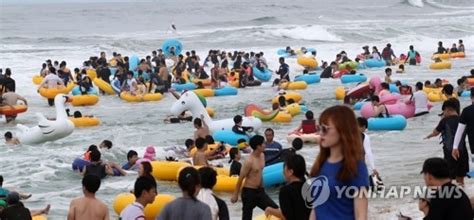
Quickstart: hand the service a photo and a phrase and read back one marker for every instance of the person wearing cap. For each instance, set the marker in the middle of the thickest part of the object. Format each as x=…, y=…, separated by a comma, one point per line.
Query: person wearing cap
x=466, y=124
x=149, y=153
x=88, y=207
x=447, y=127
x=387, y=54
x=438, y=204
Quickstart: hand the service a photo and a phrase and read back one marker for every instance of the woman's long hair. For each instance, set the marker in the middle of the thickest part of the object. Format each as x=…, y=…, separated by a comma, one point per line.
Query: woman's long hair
x=350, y=140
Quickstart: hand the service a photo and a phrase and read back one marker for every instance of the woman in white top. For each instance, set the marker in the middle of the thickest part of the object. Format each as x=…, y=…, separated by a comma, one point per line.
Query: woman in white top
x=218, y=207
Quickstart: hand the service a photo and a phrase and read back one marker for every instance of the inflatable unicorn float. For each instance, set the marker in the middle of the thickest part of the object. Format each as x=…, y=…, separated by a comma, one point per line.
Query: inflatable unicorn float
x=48, y=130
x=221, y=129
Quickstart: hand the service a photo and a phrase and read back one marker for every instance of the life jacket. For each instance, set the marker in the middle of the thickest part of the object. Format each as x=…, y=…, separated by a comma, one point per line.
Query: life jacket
x=308, y=126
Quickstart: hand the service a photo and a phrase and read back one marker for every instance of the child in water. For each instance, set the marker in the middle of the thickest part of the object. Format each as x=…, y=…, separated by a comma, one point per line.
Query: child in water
x=401, y=68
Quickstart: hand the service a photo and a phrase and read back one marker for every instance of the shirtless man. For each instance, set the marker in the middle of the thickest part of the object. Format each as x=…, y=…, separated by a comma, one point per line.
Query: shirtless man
x=164, y=74
x=253, y=193
x=202, y=130
x=88, y=207
x=11, y=99
x=200, y=158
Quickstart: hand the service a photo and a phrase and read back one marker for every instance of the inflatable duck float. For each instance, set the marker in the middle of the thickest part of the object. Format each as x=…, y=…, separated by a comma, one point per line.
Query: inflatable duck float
x=48, y=130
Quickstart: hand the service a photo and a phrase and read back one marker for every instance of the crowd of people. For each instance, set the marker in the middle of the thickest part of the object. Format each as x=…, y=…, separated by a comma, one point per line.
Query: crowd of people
x=345, y=155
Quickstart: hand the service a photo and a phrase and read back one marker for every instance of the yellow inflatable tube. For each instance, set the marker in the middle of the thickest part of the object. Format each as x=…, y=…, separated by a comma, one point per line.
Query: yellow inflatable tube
x=293, y=109
x=440, y=65
x=289, y=95
x=204, y=92
x=305, y=61
x=141, y=98
x=51, y=93
x=210, y=148
x=458, y=55
x=205, y=82
x=167, y=170
x=340, y=93
x=443, y=56
x=225, y=183
x=85, y=100
x=85, y=121
x=264, y=217
x=37, y=79
x=282, y=117
x=294, y=85
x=91, y=73
x=104, y=86
x=39, y=217
x=437, y=97
x=210, y=111
x=151, y=211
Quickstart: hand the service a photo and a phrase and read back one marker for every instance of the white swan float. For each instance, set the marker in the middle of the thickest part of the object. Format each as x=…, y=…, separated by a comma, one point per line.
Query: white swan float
x=189, y=101
x=48, y=130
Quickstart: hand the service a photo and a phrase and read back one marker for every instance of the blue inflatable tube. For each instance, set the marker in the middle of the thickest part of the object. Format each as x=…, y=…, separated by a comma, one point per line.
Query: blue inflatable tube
x=228, y=90
x=466, y=94
x=283, y=53
x=182, y=87
x=393, y=88
x=304, y=108
x=264, y=76
x=392, y=123
x=309, y=78
x=358, y=105
x=77, y=91
x=116, y=85
x=228, y=136
x=113, y=71
x=133, y=62
x=361, y=66
x=78, y=164
x=172, y=43
x=356, y=78
x=273, y=175
x=371, y=63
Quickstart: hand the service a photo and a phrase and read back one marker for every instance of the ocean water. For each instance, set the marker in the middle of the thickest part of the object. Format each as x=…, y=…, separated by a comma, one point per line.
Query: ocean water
x=32, y=33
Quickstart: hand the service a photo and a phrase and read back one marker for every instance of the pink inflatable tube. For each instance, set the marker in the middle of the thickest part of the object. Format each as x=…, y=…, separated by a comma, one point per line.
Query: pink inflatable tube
x=374, y=83
x=399, y=108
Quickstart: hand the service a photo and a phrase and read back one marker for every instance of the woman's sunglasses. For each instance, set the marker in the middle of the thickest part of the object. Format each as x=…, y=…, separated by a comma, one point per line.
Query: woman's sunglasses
x=323, y=129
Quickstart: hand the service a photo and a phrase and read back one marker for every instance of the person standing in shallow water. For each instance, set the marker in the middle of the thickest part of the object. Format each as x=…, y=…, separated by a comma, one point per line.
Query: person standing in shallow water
x=253, y=194
x=341, y=161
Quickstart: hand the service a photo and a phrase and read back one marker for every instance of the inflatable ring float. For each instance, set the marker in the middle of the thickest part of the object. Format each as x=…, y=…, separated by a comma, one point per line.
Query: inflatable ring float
x=440, y=65
x=104, y=86
x=141, y=98
x=85, y=100
x=17, y=109
x=51, y=93
x=85, y=121
x=151, y=211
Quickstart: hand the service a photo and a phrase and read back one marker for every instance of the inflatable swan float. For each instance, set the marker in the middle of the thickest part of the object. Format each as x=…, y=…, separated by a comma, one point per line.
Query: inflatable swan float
x=190, y=101
x=48, y=130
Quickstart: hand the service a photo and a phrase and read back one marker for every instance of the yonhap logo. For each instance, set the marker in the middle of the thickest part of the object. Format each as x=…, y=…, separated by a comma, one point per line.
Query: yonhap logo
x=315, y=191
